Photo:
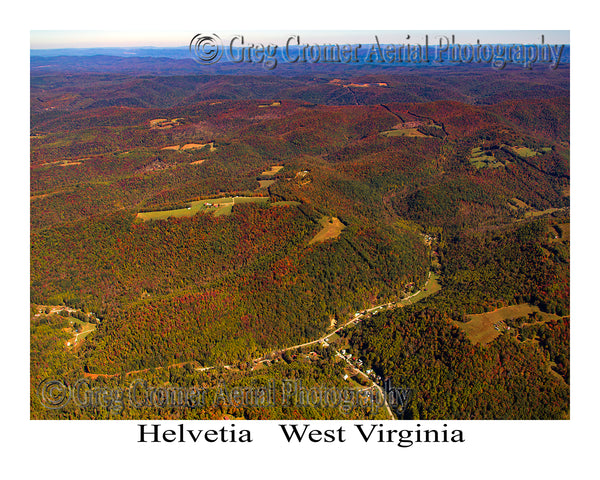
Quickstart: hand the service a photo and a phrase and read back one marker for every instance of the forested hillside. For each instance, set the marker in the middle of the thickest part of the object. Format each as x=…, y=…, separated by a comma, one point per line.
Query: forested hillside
x=191, y=231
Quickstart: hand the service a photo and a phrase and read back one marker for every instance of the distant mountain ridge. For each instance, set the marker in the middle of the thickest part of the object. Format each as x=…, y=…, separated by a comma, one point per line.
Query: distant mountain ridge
x=366, y=58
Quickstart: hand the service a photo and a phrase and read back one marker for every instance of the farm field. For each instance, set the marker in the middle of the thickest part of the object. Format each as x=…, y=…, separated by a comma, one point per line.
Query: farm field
x=218, y=207
x=480, y=327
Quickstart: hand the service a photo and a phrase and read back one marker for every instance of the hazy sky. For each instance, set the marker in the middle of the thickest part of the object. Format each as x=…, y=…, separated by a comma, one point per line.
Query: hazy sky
x=157, y=38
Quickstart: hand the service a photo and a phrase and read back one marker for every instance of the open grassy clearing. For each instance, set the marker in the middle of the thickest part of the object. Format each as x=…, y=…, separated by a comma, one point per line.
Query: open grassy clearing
x=62, y=163
x=272, y=104
x=211, y=204
x=37, y=197
x=265, y=184
x=483, y=159
x=158, y=121
x=190, y=146
x=164, y=123
x=516, y=204
x=525, y=152
x=337, y=81
x=224, y=209
x=194, y=146
x=198, y=162
x=250, y=199
x=274, y=169
x=560, y=233
x=481, y=327
x=332, y=227
x=163, y=215
x=217, y=206
x=404, y=132
x=538, y=213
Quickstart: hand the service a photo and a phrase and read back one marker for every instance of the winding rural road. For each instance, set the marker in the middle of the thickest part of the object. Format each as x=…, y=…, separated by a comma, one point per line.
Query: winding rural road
x=322, y=340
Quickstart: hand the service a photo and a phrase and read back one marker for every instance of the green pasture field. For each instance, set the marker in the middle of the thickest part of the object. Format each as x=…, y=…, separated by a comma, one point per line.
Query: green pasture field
x=220, y=206
x=480, y=327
